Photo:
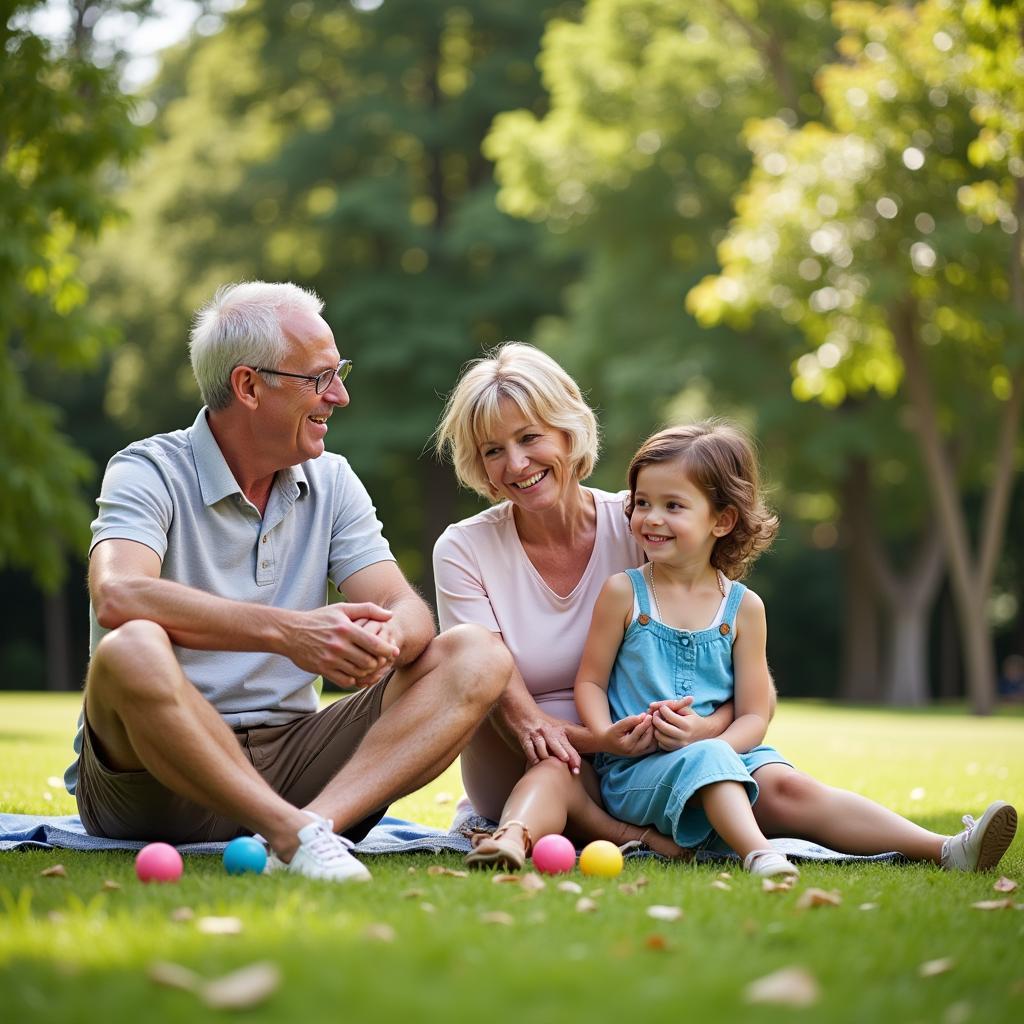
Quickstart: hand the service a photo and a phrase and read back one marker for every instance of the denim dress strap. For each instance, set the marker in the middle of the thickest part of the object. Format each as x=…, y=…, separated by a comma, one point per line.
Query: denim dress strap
x=732, y=607
x=636, y=577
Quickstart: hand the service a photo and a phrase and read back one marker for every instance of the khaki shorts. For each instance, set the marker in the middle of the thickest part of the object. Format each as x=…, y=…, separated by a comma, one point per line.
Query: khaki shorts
x=296, y=760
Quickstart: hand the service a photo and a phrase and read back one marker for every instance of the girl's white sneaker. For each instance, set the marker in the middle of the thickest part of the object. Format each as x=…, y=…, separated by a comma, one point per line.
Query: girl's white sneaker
x=768, y=863
x=983, y=842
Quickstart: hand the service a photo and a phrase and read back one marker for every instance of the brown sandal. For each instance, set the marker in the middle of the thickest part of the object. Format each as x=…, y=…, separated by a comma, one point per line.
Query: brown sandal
x=489, y=850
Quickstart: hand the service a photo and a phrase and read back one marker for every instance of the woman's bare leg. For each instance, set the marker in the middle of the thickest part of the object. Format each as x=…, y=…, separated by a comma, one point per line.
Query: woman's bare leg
x=791, y=803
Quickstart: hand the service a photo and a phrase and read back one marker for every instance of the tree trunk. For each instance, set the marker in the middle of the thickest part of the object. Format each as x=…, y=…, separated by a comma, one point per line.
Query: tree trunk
x=58, y=641
x=906, y=663
x=859, y=673
x=950, y=656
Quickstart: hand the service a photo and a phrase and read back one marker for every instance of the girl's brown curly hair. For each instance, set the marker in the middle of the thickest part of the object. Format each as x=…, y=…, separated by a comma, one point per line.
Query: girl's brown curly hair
x=719, y=458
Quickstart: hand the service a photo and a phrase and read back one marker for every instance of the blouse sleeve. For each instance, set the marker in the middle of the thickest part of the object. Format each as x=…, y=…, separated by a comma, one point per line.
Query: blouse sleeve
x=461, y=593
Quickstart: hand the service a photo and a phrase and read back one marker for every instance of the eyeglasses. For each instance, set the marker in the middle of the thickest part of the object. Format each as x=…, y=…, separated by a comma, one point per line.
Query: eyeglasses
x=322, y=381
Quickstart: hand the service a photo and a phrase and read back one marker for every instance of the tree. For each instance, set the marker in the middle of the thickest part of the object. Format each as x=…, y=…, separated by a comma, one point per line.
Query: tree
x=867, y=234
x=63, y=122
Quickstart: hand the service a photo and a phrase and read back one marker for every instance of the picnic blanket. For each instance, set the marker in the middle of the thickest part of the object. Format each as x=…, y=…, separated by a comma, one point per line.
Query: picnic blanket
x=392, y=835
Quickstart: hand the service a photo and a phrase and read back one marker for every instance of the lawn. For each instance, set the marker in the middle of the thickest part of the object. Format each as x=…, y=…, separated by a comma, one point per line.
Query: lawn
x=418, y=946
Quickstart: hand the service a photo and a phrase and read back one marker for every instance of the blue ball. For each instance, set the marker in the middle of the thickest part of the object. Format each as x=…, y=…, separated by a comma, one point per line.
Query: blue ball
x=244, y=854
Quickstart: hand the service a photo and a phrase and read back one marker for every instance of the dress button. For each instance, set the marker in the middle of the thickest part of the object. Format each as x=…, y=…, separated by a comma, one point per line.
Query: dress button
x=264, y=564
x=724, y=629
x=264, y=540
x=643, y=619
x=686, y=641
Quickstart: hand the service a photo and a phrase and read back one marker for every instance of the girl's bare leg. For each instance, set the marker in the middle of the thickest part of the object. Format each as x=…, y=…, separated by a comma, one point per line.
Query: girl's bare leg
x=791, y=803
x=727, y=807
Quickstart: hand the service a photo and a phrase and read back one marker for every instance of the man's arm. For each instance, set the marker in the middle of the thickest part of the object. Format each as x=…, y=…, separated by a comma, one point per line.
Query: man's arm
x=125, y=584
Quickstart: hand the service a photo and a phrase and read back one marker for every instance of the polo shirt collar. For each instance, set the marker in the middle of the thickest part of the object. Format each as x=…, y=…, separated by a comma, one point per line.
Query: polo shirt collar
x=216, y=481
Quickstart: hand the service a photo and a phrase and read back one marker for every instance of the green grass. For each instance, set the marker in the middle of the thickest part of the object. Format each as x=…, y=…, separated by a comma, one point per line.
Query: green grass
x=70, y=951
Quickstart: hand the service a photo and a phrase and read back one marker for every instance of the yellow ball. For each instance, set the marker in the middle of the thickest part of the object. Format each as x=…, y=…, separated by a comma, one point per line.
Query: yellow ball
x=601, y=858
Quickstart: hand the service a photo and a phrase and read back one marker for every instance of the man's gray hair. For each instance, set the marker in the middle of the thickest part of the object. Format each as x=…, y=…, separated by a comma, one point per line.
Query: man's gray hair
x=242, y=325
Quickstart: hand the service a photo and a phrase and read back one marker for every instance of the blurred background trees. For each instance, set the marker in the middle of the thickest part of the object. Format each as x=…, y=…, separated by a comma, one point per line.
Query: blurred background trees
x=804, y=215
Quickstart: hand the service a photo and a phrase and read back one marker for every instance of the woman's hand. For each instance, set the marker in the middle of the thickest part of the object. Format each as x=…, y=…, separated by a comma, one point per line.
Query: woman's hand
x=631, y=737
x=676, y=724
x=542, y=736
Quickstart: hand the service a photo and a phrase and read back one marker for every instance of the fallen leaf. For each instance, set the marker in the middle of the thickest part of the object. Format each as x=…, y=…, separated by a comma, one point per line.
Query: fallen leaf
x=657, y=942
x=573, y=887
x=585, y=905
x=1006, y=904
x=792, y=986
x=532, y=882
x=219, y=925
x=640, y=882
x=241, y=989
x=443, y=798
x=726, y=875
x=57, y=871
x=413, y=894
x=506, y=879
x=868, y=906
x=497, y=917
x=380, y=932
x=428, y=908
x=440, y=869
x=770, y=885
x=596, y=892
x=719, y=884
x=663, y=913
x=931, y=968
x=818, y=898
x=110, y=886
x=180, y=914
x=411, y=871
x=173, y=976
x=1005, y=885
x=629, y=888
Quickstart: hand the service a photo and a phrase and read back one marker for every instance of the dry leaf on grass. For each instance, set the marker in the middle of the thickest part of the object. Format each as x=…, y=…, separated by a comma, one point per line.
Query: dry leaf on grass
x=505, y=879
x=596, y=892
x=1005, y=904
x=719, y=884
x=428, y=908
x=1005, y=885
x=173, y=976
x=640, y=881
x=182, y=914
x=380, y=932
x=57, y=871
x=792, y=986
x=585, y=905
x=413, y=894
x=770, y=885
x=932, y=968
x=574, y=887
x=532, y=882
x=220, y=925
x=629, y=888
x=657, y=942
x=110, y=885
x=497, y=917
x=810, y=898
x=663, y=913
x=868, y=906
x=440, y=869
x=243, y=988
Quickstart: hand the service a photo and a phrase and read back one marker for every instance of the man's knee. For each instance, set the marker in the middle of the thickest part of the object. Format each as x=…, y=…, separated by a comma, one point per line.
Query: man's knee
x=126, y=660
x=478, y=661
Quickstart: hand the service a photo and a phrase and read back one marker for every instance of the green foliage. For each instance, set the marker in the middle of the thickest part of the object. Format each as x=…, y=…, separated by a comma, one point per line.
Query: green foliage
x=63, y=122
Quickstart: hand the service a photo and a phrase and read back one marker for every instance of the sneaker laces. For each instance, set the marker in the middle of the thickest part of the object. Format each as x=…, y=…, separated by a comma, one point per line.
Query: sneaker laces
x=324, y=845
x=969, y=822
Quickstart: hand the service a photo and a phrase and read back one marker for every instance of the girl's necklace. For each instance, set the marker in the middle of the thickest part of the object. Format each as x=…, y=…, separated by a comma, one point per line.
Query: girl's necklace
x=654, y=589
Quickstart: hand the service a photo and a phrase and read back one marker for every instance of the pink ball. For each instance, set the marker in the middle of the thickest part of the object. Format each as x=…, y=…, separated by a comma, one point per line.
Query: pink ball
x=158, y=862
x=553, y=854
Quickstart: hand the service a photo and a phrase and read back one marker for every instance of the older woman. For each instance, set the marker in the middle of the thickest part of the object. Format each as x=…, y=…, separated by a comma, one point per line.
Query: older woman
x=529, y=569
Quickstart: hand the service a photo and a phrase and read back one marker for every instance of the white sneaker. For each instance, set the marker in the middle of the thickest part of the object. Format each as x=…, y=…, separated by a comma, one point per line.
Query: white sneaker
x=768, y=863
x=982, y=843
x=321, y=854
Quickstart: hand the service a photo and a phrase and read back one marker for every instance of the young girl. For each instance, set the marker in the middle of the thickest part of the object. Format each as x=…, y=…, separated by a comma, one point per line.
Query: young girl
x=683, y=628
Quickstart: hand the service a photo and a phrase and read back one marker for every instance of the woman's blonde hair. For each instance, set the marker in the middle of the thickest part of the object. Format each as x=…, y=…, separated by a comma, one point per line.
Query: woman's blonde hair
x=719, y=457
x=538, y=387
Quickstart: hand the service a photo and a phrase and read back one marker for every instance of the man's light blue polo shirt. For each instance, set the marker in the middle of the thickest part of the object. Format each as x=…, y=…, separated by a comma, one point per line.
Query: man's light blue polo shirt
x=175, y=494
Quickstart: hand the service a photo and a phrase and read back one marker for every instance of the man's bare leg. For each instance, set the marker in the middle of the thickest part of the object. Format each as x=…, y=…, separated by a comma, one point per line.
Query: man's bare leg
x=147, y=715
x=430, y=710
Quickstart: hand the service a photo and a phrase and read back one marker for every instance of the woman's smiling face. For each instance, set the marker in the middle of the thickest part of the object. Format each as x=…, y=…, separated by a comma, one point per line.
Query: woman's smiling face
x=526, y=461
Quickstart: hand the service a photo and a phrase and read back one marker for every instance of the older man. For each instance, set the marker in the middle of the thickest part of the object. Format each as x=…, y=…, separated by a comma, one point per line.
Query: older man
x=209, y=567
